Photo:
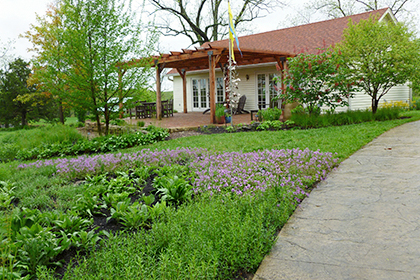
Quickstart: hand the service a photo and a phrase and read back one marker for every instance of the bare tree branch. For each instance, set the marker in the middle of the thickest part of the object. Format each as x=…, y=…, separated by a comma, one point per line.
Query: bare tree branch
x=206, y=20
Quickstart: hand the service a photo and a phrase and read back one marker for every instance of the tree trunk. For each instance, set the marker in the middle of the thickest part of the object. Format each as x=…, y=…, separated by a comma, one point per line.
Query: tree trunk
x=106, y=115
x=374, y=105
x=98, y=122
x=61, y=111
x=23, y=118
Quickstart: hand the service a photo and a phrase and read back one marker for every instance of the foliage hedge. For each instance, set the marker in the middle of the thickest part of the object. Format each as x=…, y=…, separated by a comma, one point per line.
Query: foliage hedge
x=302, y=119
x=101, y=144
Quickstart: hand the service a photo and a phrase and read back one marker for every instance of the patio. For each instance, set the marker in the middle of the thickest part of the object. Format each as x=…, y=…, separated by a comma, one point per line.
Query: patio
x=182, y=121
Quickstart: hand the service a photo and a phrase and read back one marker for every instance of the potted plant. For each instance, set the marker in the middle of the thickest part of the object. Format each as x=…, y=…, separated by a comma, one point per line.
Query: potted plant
x=228, y=116
x=220, y=114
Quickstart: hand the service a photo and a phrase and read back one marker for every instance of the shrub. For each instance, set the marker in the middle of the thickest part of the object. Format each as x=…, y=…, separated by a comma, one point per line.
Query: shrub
x=119, y=122
x=270, y=114
x=417, y=104
x=305, y=120
x=100, y=144
x=314, y=80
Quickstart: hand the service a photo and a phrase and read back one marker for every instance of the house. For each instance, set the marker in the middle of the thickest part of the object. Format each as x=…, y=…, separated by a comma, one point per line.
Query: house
x=198, y=76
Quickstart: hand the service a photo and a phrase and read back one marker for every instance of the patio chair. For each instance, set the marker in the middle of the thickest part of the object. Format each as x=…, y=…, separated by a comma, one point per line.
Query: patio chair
x=140, y=111
x=240, y=108
x=165, y=108
x=168, y=108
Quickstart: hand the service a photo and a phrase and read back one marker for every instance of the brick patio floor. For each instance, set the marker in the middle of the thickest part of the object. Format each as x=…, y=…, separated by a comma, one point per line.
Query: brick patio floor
x=182, y=121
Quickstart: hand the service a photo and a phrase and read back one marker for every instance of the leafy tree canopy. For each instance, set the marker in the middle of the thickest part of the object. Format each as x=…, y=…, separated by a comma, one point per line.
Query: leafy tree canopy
x=85, y=54
x=12, y=85
x=379, y=56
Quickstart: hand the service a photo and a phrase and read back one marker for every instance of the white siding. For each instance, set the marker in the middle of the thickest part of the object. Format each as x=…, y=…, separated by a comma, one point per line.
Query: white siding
x=246, y=87
x=177, y=88
x=249, y=88
x=363, y=101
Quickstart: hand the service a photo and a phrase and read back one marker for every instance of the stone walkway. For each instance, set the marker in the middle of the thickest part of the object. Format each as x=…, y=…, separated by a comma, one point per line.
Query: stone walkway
x=362, y=222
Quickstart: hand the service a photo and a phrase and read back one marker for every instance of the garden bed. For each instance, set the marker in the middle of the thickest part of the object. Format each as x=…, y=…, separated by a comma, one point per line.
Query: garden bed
x=232, y=203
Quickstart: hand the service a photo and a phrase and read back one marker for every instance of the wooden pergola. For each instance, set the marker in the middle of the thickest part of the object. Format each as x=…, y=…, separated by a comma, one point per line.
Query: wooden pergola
x=209, y=57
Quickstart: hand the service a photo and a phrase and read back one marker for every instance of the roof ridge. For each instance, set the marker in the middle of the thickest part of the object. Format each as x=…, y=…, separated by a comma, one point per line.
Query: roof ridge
x=302, y=25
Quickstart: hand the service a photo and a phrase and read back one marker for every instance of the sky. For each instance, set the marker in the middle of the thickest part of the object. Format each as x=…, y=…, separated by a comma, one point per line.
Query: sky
x=17, y=15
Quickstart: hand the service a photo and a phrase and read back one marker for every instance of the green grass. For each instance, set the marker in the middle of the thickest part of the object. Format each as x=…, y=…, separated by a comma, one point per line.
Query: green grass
x=48, y=134
x=13, y=141
x=343, y=140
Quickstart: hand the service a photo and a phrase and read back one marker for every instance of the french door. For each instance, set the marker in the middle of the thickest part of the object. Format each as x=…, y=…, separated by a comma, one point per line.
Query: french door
x=267, y=89
x=201, y=93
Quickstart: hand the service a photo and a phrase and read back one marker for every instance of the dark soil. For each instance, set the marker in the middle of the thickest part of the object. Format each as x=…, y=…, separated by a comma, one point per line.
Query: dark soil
x=205, y=130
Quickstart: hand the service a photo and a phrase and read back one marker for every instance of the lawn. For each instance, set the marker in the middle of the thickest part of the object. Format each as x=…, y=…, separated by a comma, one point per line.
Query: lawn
x=198, y=207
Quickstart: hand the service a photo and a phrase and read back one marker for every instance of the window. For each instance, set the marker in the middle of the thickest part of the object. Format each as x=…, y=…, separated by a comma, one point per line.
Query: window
x=220, y=92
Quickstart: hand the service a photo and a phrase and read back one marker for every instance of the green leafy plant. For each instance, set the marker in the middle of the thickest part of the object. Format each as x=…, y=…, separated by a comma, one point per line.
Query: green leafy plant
x=220, y=110
x=276, y=125
x=158, y=210
x=111, y=199
x=231, y=128
x=118, y=210
x=6, y=194
x=121, y=184
x=148, y=200
x=174, y=189
x=23, y=217
x=38, y=246
x=86, y=240
x=117, y=122
x=135, y=217
x=269, y=114
x=68, y=223
x=141, y=174
x=88, y=205
x=130, y=216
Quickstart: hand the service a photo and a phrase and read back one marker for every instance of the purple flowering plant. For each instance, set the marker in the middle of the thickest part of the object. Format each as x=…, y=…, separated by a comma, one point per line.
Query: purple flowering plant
x=238, y=173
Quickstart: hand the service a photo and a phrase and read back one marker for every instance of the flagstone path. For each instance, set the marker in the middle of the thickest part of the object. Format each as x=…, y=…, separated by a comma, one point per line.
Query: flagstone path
x=362, y=222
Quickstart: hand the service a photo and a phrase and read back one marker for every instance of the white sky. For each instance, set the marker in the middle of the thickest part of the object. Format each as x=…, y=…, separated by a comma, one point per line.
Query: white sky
x=17, y=15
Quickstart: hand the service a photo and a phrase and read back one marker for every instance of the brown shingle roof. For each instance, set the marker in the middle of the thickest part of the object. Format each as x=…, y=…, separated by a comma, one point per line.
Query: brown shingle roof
x=293, y=40
x=304, y=38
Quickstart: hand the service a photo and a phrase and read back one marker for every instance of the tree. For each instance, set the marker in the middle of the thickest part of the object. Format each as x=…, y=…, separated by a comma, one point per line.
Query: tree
x=49, y=65
x=315, y=80
x=5, y=56
x=342, y=8
x=329, y=9
x=95, y=38
x=206, y=20
x=379, y=56
x=12, y=85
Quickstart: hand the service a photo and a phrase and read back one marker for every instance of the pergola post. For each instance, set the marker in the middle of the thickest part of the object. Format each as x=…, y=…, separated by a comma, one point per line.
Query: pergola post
x=181, y=72
x=212, y=78
x=158, y=93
